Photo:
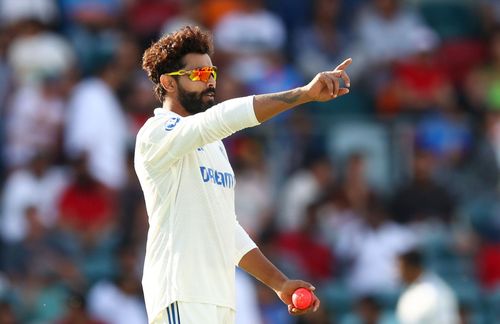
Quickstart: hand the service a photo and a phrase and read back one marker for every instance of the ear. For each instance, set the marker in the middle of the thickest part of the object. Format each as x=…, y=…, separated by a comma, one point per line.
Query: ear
x=168, y=83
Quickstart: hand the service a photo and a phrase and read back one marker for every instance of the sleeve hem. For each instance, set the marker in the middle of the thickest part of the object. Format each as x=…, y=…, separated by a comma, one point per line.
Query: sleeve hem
x=251, y=113
x=241, y=253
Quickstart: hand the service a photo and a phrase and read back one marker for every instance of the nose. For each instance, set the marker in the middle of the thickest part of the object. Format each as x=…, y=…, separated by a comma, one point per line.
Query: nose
x=211, y=82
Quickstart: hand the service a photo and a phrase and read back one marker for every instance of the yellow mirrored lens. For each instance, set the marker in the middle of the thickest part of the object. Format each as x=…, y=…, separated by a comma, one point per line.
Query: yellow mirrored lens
x=195, y=75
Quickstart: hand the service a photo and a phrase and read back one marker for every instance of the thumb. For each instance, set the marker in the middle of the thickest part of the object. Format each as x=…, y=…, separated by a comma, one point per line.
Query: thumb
x=343, y=91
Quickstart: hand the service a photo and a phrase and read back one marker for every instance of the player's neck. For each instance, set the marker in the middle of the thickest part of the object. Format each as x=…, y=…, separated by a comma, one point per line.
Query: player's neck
x=175, y=107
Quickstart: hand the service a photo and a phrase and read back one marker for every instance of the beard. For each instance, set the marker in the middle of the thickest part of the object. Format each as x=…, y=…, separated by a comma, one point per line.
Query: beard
x=194, y=102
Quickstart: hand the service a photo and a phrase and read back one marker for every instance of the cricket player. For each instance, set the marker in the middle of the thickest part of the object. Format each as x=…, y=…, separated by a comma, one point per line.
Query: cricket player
x=194, y=240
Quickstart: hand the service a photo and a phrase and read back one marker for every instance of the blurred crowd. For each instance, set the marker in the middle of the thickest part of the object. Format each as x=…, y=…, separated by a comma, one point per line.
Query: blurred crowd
x=333, y=193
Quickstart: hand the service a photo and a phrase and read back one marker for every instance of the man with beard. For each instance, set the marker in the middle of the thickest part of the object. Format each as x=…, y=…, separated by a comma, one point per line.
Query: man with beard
x=194, y=240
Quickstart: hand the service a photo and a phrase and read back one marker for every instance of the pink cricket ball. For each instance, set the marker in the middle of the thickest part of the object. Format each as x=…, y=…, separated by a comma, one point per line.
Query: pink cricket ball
x=302, y=298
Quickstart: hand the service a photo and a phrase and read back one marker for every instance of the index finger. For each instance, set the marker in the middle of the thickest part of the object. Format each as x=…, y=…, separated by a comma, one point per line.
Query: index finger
x=344, y=65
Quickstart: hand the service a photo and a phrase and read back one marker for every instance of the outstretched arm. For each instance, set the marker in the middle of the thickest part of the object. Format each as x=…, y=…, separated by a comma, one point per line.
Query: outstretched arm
x=256, y=264
x=325, y=86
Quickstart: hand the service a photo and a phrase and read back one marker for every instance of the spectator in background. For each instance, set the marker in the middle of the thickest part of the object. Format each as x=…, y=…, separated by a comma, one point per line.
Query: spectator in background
x=472, y=173
x=133, y=92
x=93, y=107
x=125, y=55
x=54, y=54
x=133, y=220
x=246, y=299
x=40, y=62
x=87, y=224
x=87, y=207
x=39, y=185
x=278, y=75
x=321, y=43
x=369, y=249
x=270, y=309
x=368, y=310
x=36, y=255
x=245, y=39
x=76, y=311
x=40, y=272
x=137, y=101
x=307, y=249
x=355, y=183
x=13, y=11
x=422, y=199
x=189, y=15
x=145, y=18
x=35, y=119
x=254, y=180
x=120, y=300
x=483, y=91
x=251, y=42
x=483, y=83
x=91, y=26
x=427, y=298
x=300, y=144
x=395, y=22
x=335, y=213
x=446, y=133
x=303, y=188
x=295, y=14
x=420, y=83
x=213, y=11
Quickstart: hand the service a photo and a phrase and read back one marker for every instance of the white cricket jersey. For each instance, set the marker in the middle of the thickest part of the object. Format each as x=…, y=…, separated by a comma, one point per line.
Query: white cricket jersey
x=194, y=240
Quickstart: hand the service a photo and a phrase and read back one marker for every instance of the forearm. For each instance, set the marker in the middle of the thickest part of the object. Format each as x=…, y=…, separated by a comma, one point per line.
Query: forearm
x=256, y=264
x=268, y=105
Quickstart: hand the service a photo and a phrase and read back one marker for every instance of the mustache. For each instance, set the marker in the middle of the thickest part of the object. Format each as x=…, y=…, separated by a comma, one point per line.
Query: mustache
x=208, y=91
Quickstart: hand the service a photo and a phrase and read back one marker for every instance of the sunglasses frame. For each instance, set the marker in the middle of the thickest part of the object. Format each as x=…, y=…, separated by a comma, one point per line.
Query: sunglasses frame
x=192, y=76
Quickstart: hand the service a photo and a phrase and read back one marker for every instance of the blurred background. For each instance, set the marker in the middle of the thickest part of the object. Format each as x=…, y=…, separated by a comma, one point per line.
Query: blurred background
x=331, y=192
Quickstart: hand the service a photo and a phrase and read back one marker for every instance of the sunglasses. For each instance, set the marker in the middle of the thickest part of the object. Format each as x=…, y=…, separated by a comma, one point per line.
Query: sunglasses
x=200, y=74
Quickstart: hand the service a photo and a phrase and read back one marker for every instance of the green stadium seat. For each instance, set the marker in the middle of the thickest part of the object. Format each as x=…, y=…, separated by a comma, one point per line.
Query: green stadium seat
x=337, y=298
x=452, y=19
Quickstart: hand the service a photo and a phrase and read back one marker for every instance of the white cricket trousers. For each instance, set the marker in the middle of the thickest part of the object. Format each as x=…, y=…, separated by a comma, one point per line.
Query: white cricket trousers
x=195, y=313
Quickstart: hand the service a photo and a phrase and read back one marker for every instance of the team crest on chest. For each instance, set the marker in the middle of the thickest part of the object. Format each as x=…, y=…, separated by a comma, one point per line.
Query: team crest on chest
x=171, y=122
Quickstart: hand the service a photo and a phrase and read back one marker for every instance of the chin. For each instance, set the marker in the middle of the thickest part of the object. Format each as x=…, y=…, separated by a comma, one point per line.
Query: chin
x=209, y=103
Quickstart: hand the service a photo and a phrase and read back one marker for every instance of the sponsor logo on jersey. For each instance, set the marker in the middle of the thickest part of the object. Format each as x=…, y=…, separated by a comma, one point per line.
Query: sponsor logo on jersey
x=224, y=179
x=171, y=122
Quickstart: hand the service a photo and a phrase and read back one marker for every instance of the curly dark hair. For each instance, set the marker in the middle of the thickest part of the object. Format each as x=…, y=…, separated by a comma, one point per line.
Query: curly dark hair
x=166, y=55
